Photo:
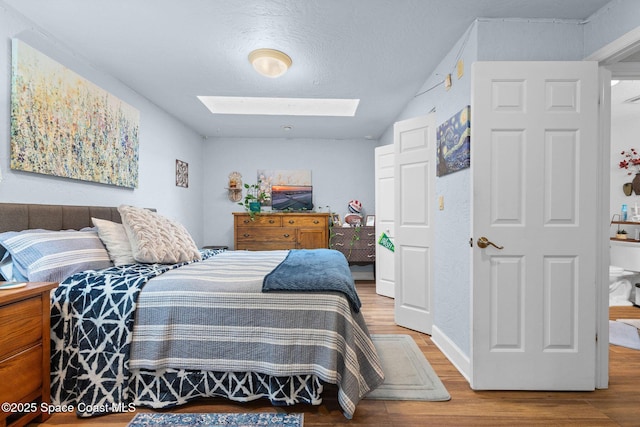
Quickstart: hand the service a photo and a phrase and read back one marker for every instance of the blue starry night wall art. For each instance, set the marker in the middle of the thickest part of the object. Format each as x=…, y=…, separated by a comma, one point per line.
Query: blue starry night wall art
x=454, y=143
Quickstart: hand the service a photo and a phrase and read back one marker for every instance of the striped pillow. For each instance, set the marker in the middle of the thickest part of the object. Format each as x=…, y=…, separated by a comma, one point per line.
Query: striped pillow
x=52, y=256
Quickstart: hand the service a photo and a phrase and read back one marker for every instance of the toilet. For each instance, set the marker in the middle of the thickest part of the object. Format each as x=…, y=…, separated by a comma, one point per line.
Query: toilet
x=621, y=284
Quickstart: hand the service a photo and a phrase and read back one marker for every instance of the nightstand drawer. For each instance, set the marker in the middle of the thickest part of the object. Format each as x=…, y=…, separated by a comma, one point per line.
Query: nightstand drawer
x=21, y=375
x=21, y=325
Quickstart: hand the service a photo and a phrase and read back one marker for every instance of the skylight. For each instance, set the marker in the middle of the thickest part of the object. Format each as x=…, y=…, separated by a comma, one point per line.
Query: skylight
x=280, y=106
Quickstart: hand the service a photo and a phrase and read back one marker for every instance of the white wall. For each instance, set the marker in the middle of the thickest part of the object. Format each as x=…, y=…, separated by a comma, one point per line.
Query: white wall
x=341, y=170
x=162, y=140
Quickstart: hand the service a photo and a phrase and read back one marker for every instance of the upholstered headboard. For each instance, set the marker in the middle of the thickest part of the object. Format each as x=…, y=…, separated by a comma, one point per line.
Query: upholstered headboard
x=17, y=216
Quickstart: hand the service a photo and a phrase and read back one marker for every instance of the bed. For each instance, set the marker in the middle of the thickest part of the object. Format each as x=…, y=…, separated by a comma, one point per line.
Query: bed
x=241, y=325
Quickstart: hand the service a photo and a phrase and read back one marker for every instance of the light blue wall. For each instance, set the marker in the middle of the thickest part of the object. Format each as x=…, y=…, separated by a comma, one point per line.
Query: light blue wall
x=341, y=170
x=451, y=293
x=162, y=140
x=611, y=22
x=525, y=40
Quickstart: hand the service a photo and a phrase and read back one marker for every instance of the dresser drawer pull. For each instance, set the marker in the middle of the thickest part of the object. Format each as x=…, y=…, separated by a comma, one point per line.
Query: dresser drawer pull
x=371, y=256
x=246, y=221
x=271, y=221
x=291, y=221
x=371, y=244
x=338, y=244
x=339, y=234
x=315, y=221
x=370, y=234
x=286, y=235
x=246, y=235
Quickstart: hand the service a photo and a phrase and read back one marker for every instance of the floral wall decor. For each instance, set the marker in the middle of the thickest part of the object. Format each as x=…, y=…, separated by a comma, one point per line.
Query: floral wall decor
x=454, y=143
x=631, y=163
x=64, y=125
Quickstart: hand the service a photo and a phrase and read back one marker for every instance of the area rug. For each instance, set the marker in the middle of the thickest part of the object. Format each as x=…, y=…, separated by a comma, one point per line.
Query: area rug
x=624, y=334
x=408, y=375
x=217, y=420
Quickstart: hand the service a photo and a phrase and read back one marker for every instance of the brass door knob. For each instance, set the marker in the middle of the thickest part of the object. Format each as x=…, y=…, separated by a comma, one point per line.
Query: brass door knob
x=483, y=242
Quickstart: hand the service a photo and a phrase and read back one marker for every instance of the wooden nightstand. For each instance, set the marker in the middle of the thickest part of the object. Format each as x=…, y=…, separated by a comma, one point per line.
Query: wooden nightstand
x=25, y=352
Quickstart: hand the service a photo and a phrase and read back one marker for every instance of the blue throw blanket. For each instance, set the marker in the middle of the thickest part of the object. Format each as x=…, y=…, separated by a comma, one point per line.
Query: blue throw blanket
x=315, y=270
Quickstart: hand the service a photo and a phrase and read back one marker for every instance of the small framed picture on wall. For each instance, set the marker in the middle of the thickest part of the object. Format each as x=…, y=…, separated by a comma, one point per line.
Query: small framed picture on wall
x=182, y=173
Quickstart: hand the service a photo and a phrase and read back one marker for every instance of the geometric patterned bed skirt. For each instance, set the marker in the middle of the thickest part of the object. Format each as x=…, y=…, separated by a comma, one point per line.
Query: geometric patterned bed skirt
x=172, y=387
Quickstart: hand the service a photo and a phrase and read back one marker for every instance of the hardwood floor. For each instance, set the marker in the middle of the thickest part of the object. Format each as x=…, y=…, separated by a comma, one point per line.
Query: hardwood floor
x=617, y=405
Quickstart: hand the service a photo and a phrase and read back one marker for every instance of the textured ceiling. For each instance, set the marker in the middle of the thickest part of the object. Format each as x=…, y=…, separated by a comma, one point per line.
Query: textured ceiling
x=380, y=51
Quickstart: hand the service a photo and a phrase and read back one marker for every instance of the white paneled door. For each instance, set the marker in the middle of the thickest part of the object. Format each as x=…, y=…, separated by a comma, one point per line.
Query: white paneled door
x=534, y=161
x=415, y=155
x=385, y=263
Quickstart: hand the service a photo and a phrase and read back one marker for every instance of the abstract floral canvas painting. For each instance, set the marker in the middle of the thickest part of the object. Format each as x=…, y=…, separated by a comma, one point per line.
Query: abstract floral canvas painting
x=66, y=126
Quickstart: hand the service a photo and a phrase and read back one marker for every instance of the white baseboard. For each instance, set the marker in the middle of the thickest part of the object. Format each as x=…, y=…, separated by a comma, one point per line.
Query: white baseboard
x=452, y=352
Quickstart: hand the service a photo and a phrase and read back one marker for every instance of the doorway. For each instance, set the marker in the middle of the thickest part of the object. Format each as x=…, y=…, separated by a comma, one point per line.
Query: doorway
x=619, y=60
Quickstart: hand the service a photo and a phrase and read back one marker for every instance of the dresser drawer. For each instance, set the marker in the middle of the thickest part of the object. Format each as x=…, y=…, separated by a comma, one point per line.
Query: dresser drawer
x=266, y=235
x=21, y=325
x=360, y=255
x=303, y=221
x=21, y=375
x=259, y=220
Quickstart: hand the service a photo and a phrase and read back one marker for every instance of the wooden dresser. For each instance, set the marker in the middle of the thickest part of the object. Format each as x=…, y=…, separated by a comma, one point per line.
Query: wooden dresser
x=24, y=353
x=271, y=231
x=358, y=244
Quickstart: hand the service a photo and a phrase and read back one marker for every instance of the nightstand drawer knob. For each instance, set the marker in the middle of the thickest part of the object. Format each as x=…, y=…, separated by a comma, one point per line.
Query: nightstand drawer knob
x=291, y=221
x=286, y=235
x=246, y=234
x=271, y=221
x=315, y=221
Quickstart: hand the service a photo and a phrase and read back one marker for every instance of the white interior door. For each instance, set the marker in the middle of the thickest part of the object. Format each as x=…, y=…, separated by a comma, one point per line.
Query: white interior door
x=414, y=174
x=534, y=162
x=385, y=198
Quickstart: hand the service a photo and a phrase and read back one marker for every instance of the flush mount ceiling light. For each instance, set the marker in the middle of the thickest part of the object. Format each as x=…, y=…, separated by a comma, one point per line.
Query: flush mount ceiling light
x=270, y=62
x=280, y=106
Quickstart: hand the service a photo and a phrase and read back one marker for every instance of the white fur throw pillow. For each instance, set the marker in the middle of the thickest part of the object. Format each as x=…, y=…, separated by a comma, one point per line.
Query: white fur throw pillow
x=116, y=241
x=157, y=239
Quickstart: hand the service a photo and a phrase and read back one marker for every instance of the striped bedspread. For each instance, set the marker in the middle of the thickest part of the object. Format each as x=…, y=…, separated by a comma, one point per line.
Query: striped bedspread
x=212, y=316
